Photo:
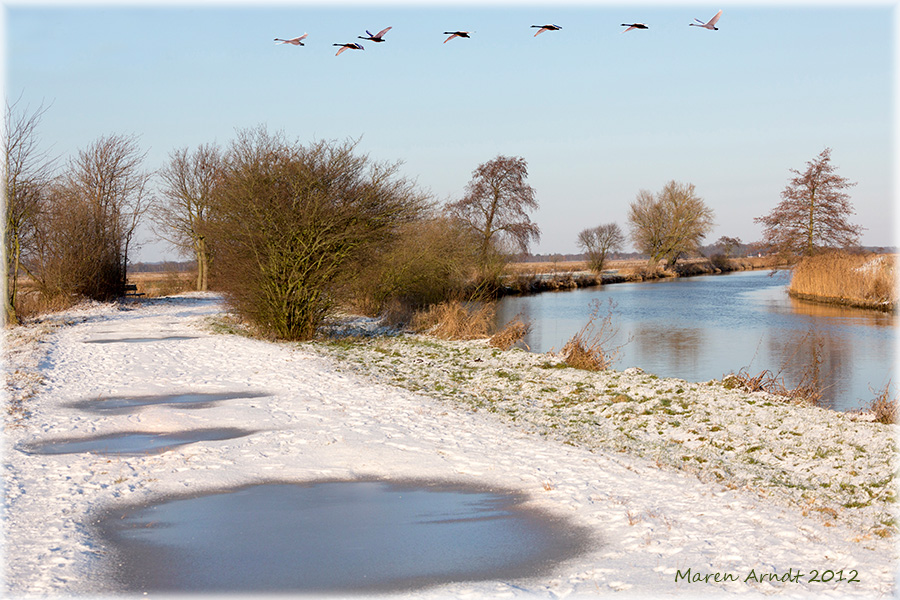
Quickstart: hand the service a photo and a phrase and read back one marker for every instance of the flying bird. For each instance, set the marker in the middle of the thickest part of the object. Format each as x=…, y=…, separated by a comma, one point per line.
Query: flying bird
x=711, y=24
x=453, y=34
x=375, y=38
x=631, y=26
x=297, y=41
x=543, y=28
x=348, y=47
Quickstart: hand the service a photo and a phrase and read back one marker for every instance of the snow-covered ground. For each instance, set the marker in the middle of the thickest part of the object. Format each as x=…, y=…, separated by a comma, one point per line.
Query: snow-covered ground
x=334, y=412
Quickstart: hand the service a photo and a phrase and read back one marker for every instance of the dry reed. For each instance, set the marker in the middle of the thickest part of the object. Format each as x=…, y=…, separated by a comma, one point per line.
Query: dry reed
x=511, y=334
x=807, y=391
x=865, y=280
x=455, y=320
x=809, y=388
x=590, y=349
x=885, y=408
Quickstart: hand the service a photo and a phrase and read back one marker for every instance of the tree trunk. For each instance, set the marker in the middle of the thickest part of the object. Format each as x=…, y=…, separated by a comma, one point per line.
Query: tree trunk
x=13, y=284
x=202, y=254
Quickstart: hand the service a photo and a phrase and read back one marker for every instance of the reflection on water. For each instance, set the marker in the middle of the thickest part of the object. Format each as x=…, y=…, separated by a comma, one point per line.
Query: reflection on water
x=701, y=328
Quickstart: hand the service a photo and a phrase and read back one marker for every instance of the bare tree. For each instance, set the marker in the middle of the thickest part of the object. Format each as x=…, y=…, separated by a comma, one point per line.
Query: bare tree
x=181, y=218
x=726, y=245
x=27, y=175
x=670, y=223
x=496, y=206
x=92, y=213
x=289, y=220
x=598, y=242
x=813, y=213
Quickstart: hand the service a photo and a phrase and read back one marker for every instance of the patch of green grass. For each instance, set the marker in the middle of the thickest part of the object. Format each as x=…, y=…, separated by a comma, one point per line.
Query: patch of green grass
x=551, y=365
x=508, y=375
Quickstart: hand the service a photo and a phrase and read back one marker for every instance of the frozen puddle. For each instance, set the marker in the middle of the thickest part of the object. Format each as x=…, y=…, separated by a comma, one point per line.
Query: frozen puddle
x=134, y=340
x=132, y=442
x=358, y=536
x=121, y=404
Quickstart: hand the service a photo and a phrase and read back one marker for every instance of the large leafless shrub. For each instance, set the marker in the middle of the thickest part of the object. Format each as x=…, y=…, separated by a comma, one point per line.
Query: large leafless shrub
x=290, y=220
x=89, y=219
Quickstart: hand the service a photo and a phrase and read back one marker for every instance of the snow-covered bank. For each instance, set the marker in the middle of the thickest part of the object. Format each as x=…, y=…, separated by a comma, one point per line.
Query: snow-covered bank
x=839, y=465
x=320, y=420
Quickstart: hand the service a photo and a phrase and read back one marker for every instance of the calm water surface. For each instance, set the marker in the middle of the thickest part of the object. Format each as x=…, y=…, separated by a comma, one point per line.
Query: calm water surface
x=701, y=328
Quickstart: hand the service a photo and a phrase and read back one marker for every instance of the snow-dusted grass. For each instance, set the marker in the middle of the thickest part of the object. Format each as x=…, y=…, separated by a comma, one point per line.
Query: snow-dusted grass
x=614, y=452
x=836, y=465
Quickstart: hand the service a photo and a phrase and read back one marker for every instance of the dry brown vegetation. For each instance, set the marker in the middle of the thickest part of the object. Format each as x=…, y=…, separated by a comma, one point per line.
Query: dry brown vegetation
x=634, y=269
x=809, y=388
x=590, y=349
x=30, y=302
x=884, y=407
x=511, y=334
x=167, y=283
x=455, y=320
x=865, y=280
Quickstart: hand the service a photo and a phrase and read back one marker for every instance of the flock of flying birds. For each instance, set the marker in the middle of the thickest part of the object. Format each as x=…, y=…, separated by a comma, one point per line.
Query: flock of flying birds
x=379, y=37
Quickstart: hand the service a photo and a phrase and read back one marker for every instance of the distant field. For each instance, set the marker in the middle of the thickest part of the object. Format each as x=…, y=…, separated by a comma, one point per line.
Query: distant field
x=163, y=284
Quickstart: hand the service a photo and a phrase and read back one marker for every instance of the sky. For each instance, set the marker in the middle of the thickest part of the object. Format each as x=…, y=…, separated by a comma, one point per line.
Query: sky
x=598, y=114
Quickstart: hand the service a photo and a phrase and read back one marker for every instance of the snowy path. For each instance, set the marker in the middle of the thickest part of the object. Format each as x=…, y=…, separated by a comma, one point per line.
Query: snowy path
x=318, y=423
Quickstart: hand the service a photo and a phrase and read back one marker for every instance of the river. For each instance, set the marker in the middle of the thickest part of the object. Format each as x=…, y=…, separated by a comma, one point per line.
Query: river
x=702, y=328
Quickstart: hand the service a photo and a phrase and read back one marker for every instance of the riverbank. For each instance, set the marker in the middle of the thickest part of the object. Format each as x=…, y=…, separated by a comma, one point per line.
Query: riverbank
x=800, y=488
x=837, y=466
x=534, y=278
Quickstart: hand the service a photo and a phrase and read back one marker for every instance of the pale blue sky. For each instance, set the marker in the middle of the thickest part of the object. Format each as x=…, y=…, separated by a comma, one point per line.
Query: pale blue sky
x=598, y=114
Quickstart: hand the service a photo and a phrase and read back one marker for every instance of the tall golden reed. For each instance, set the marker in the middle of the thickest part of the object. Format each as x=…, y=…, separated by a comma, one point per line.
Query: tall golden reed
x=866, y=280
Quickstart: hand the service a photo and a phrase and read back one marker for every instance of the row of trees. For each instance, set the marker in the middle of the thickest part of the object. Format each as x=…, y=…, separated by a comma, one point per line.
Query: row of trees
x=288, y=230
x=812, y=216
x=72, y=232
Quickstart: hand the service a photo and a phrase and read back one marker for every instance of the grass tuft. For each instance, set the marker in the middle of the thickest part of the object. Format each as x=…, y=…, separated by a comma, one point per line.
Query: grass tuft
x=455, y=320
x=884, y=407
x=589, y=349
x=511, y=334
